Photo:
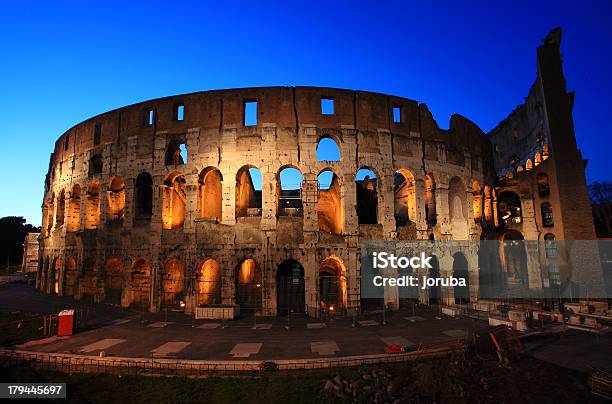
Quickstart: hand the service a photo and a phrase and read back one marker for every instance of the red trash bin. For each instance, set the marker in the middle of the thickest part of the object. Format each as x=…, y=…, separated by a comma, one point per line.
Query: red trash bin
x=65, y=323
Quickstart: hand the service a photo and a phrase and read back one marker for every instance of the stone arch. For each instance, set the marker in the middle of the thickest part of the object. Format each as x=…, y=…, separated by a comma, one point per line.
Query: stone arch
x=249, y=286
x=289, y=192
x=332, y=284
x=69, y=276
x=116, y=199
x=290, y=288
x=176, y=152
x=461, y=271
x=113, y=280
x=248, y=197
x=330, y=212
x=61, y=209
x=55, y=276
x=173, y=283
x=404, y=190
x=366, y=182
x=509, y=206
x=74, y=210
x=92, y=205
x=208, y=289
x=210, y=194
x=49, y=209
x=430, y=199
x=143, y=196
x=140, y=284
x=476, y=201
x=328, y=149
x=543, y=185
x=174, y=201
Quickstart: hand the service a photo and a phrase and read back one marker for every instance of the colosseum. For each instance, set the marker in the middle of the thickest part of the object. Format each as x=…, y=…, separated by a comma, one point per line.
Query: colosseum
x=260, y=198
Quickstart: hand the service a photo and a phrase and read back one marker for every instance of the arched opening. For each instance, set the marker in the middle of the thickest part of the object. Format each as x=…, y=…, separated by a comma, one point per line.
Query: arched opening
x=529, y=165
x=457, y=207
x=545, y=152
x=460, y=271
x=543, y=185
x=174, y=200
x=173, y=280
x=74, y=210
x=61, y=209
x=434, y=293
x=176, y=153
x=249, y=286
x=248, y=192
x=329, y=203
x=537, y=159
x=290, y=288
x=116, y=199
x=144, y=196
x=404, y=190
x=367, y=196
x=509, y=205
x=547, y=215
x=550, y=245
x=327, y=149
x=289, y=192
x=430, y=200
x=210, y=194
x=332, y=284
x=113, y=281
x=95, y=165
x=208, y=290
x=92, y=205
x=476, y=201
x=140, y=284
x=56, y=273
x=513, y=258
x=69, y=276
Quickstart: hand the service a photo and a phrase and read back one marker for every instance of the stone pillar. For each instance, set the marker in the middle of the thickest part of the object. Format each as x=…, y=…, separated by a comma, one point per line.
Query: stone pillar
x=421, y=219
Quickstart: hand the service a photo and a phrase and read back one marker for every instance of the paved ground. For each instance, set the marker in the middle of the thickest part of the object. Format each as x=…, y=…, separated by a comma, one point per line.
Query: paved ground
x=120, y=332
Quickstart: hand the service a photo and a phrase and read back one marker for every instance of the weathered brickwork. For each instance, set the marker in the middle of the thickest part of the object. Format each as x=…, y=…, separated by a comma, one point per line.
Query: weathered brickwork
x=127, y=220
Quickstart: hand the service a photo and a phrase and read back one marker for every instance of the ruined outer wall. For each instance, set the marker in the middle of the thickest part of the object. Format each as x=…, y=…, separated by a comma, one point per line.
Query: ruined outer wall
x=290, y=124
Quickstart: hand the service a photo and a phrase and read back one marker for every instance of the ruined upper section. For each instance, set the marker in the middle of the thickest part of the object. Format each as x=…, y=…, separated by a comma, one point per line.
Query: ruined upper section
x=282, y=107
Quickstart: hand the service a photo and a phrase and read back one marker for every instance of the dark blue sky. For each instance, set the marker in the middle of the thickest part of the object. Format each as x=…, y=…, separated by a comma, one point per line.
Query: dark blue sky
x=63, y=63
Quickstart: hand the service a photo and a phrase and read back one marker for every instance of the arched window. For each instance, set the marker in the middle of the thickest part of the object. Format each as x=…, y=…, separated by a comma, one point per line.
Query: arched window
x=543, y=185
x=404, y=189
x=92, y=205
x=113, y=281
x=95, y=165
x=74, y=210
x=328, y=150
x=329, y=203
x=61, y=209
x=367, y=196
x=430, y=200
x=529, y=165
x=176, y=153
x=116, y=199
x=537, y=159
x=144, y=196
x=547, y=215
x=289, y=192
x=210, y=194
x=554, y=275
x=550, y=245
x=174, y=200
x=248, y=192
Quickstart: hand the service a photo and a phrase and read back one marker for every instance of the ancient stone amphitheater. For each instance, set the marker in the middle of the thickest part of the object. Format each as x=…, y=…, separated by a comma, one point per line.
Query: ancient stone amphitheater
x=261, y=197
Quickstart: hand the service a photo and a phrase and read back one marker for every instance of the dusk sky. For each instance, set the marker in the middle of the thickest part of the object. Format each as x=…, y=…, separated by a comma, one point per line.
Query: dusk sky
x=63, y=63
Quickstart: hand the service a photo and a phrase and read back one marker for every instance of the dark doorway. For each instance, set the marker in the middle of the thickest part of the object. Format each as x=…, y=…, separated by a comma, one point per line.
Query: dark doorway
x=290, y=288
